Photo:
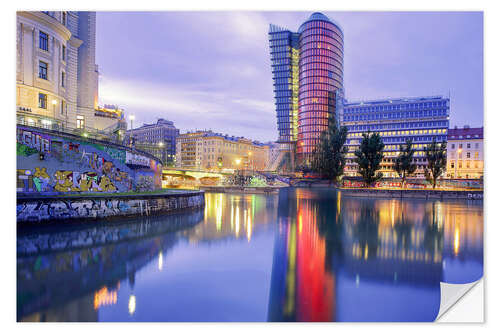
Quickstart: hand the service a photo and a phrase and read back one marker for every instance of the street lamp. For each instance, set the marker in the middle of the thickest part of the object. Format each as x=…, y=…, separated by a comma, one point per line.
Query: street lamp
x=131, y=117
x=238, y=161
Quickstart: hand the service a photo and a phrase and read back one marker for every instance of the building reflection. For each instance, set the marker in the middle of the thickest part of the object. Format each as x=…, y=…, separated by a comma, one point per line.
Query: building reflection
x=323, y=238
x=73, y=283
x=228, y=216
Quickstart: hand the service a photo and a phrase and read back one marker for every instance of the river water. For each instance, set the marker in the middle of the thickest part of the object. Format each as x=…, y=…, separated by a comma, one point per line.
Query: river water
x=300, y=255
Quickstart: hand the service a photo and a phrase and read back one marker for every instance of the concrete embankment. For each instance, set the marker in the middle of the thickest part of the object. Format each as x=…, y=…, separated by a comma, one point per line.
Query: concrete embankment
x=48, y=209
x=241, y=189
x=414, y=194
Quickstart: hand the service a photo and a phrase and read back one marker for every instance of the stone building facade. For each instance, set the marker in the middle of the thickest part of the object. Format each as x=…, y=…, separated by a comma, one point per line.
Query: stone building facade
x=56, y=74
x=465, y=153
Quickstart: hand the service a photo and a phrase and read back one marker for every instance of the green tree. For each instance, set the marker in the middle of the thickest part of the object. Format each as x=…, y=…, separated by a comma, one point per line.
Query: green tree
x=403, y=164
x=329, y=155
x=369, y=156
x=436, y=161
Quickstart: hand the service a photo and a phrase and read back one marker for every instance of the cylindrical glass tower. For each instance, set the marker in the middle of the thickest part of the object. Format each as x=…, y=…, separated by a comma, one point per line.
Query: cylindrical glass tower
x=320, y=76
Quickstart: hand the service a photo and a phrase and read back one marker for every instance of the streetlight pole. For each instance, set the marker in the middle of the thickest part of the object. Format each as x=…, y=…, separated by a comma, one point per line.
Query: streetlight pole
x=459, y=151
x=54, y=103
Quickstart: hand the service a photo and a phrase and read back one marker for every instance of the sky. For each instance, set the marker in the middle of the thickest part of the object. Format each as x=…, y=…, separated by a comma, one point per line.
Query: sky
x=211, y=70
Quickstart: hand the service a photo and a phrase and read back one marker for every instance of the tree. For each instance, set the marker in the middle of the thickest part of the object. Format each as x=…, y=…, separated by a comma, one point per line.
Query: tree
x=403, y=164
x=436, y=161
x=368, y=157
x=329, y=154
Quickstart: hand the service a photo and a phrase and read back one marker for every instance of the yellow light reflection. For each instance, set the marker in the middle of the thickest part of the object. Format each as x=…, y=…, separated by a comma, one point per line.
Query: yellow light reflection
x=160, y=261
x=131, y=304
x=456, y=242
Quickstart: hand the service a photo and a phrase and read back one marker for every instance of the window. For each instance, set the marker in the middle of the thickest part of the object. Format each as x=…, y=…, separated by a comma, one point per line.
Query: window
x=477, y=145
x=452, y=165
x=476, y=155
x=63, y=18
x=460, y=165
x=80, y=122
x=42, y=101
x=63, y=79
x=63, y=107
x=63, y=52
x=452, y=146
x=468, y=154
x=468, y=145
x=44, y=41
x=42, y=70
x=460, y=145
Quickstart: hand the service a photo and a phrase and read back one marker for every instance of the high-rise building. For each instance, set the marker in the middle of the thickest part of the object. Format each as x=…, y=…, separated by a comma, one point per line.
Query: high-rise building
x=210, y=151
x=307, y=71
x=158, y=139
x=56, y=74
x=465, y=153
x=421, y=119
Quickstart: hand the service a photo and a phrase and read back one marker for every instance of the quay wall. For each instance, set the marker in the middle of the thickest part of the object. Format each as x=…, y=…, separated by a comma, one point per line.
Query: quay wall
x=240, y=189
x=414, y=194
x=50, y=209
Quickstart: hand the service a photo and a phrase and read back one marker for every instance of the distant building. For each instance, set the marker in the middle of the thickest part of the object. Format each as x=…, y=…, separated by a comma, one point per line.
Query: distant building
x=158, y=139
x=465, y=153
x=421, y=119
x=56, y=73
x=206, y=150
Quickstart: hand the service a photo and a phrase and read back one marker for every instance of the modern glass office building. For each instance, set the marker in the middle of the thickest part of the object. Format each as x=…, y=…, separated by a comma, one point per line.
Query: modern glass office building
x=308, y=74
x=421, y=119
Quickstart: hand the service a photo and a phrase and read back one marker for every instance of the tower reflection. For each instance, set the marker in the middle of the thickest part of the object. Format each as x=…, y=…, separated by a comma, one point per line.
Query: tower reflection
x=336, y=258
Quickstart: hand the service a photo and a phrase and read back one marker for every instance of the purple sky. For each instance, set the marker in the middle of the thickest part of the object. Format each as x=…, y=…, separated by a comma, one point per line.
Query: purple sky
x=211, y=70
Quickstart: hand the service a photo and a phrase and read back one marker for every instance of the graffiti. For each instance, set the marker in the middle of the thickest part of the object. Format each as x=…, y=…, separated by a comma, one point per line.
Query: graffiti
x=118, y=155
x=41, y=179
x=63, y=209
x=24, y=150
x=69, y=165
x=38, y=141
x=145, y=183
x=136, y=159
x=64, y=181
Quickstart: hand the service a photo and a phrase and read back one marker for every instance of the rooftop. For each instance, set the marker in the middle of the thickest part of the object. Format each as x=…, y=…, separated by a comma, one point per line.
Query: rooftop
x=465, y=133
x=394, y=100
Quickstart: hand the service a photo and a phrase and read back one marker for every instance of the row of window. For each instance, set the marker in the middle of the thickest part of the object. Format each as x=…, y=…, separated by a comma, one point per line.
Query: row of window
x=397, y=115
x=460, y=145
x=315, y=27
x=409, y=125
x=467, y=165
x=399, y=106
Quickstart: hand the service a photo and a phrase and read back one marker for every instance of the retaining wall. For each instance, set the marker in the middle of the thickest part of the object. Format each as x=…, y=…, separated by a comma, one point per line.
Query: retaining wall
x=416, y=194
x=47, y=209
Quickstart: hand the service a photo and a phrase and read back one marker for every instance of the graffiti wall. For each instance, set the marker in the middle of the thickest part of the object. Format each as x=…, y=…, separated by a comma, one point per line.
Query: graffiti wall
x=39, y=210
x=49, y=163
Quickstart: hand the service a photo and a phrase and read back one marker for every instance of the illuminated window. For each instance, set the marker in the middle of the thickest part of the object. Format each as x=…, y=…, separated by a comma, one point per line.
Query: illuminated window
x=42, y=101
x=80, y=122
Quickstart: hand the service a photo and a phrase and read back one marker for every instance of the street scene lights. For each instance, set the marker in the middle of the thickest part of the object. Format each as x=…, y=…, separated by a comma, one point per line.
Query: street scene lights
x=237, y=161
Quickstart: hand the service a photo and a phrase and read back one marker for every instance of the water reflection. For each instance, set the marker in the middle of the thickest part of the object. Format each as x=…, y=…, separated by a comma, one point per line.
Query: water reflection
x=352, y=259
x=304, y=255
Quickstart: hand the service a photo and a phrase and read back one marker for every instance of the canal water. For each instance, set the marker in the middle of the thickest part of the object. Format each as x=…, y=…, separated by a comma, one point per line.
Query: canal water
x=300, y=255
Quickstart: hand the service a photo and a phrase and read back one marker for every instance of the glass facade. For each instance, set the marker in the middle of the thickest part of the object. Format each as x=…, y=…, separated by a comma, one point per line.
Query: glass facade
x=307, y=71
x=420, y=119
